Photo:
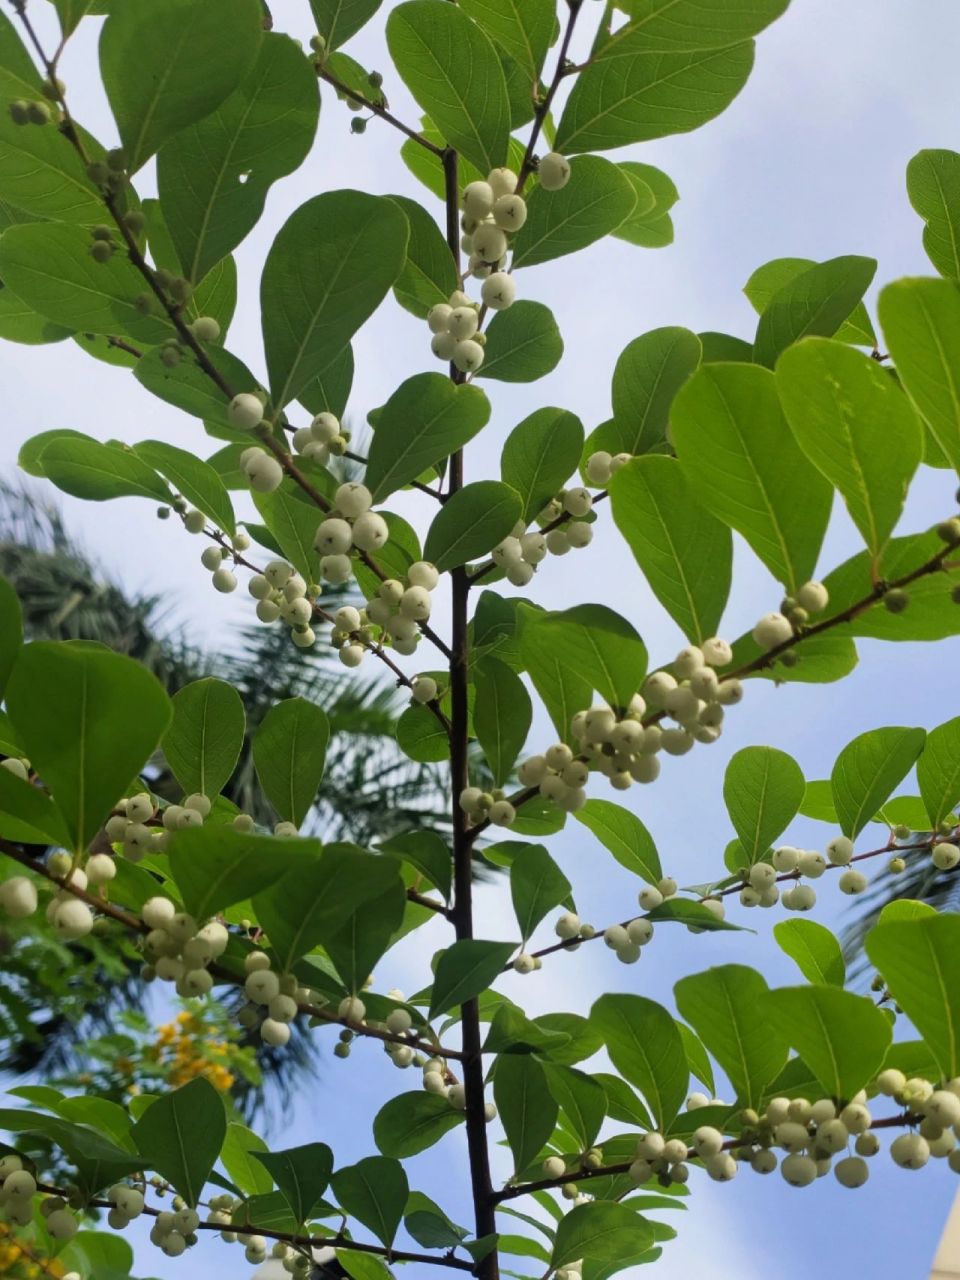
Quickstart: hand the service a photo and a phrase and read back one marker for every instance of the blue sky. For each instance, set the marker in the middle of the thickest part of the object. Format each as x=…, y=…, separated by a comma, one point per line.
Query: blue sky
x=809, y=161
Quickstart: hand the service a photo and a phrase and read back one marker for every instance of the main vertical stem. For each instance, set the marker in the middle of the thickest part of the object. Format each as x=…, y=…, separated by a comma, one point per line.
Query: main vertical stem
x=481, y=1186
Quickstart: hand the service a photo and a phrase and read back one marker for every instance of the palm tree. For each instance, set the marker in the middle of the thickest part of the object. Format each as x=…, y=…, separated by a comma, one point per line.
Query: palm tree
x=49, y=1008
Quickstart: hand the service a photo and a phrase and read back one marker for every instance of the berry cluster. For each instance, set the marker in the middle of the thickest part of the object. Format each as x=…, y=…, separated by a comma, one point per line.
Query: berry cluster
x=519, y=554
x=775, y=629
x=325, y=438
x=214, y=559
x=280, y=994
x=350, y=526
x=398, y=610
x=16, y=1200
x=600, y=466
x=133, y=826
x=179, y=949
x=281, y=592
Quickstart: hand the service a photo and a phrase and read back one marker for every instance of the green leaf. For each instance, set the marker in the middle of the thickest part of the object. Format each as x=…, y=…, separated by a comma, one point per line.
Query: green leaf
x=582, y=1101
x=650, y=225
x=41, y=174
x=71, y=11
x=348, y=901
x=27, y=815
x=687, y=24
x=421, y=736
x=426, y=419
x=338, y=20
x=301, y=1174
x=814, y=303
x=293, y=523
x=814, y=948
x=239, y=1146
x=429, y=275
x=697, y=1058
x=842, y=1038
x=203, y=742
x=411, y=1122
x=98, y=1160
x=537, y=885
x=181, y=1134
x=763, y=789
x=427, y=853
x=933, y=185
x=49, y=267
x=523, y=344
x=165, y=66
x=20, y=323
x=473, y=520
x=591, y=640
x=216, y=866
x=648, y=375
x=186, y=386
x=597, y=199
x=329, y=392
x=767, y=281
x=454, y=73
x=522, y=28
x=686, y=554
x=645, y=95
x=11, y=631
x=921, y=325
x=374, y=1191
x=856, y=426
x=195, y=479
x=429, y=1225
x=697, y=917
x=723, y=1005
x=624, y=835
x=645, y=1047
x=539, y=455
x=512, y=1032
x=215, y=174
x=938, y=770
x=501, y=717
x=722, y=348
x=868, y=769
x=528, y=1111
x=328, y=270
x=603, y=1232
x=289, y=752
x=739, y=455
x=465, y=969
x=562, y=687
x=919, y=961
x=71, y=707
x=99, y=472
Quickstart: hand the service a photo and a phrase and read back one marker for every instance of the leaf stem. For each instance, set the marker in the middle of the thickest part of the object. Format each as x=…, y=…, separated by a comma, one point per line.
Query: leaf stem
x=377, y=110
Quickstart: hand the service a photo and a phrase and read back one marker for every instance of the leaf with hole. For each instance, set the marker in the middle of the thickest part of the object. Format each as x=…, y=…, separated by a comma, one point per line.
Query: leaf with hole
x=214, y=175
